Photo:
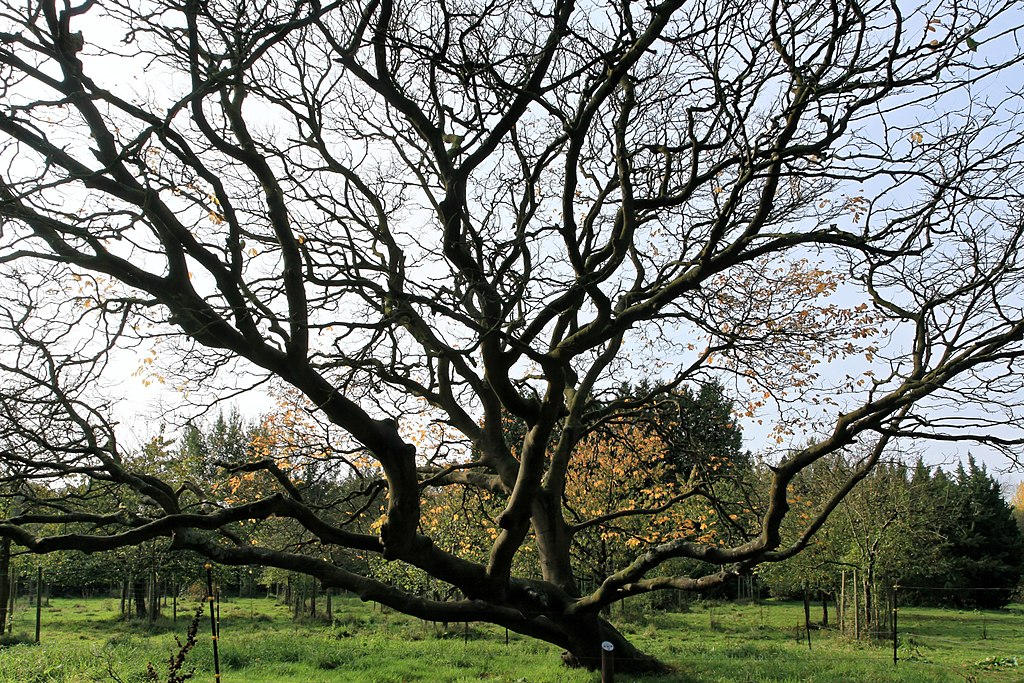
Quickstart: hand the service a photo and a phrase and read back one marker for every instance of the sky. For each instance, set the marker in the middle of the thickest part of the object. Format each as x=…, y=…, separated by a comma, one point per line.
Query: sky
x=142, y=403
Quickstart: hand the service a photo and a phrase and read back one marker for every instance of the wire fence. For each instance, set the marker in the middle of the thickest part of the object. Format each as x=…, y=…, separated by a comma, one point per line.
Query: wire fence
x=928, y=638
x=992, y=639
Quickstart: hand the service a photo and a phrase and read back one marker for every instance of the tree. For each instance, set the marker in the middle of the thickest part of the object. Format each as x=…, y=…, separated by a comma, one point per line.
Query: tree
x=939, y=537
x=469, y=213
x=886, y=529
x=987, y=548
x=655, y=474
x=1017, y=505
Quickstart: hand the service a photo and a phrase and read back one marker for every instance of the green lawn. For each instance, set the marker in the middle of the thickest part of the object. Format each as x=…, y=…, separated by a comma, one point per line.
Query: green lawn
x=83, y=640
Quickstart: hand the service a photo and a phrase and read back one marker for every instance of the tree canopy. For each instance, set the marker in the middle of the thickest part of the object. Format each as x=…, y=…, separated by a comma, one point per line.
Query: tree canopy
x=421, y=221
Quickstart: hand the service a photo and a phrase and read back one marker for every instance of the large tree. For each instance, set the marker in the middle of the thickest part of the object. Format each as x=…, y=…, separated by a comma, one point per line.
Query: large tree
x=472, y=214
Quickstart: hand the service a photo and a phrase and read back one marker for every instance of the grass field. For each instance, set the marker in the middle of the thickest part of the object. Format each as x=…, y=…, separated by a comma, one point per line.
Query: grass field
x=84, y=640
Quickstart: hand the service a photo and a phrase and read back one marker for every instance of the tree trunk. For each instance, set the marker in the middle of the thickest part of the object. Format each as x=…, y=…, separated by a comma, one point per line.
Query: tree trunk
x=582, y=635
x=585, y=636
x=807, y=616
x=139, y=593
x=824, y=609
x=869, y=580
x=154, y=601
x=124, y=596
x=5, y=580
x=11, y=600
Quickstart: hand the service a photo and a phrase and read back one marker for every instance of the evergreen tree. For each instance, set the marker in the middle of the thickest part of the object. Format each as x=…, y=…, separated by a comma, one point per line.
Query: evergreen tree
x=987, y=550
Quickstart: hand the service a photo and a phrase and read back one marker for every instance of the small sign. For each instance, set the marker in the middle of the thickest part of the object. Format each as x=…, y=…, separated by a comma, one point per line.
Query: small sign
x=607, y=646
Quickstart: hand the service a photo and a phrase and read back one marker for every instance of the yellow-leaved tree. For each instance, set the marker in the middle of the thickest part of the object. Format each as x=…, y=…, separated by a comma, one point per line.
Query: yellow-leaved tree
x=1017, y=503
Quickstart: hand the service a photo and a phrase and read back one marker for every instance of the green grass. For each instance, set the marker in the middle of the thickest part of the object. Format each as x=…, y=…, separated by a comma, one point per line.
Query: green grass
x=84, y=640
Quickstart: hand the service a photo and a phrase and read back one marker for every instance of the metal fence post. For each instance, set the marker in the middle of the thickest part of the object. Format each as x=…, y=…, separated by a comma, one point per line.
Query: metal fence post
x=214, y=628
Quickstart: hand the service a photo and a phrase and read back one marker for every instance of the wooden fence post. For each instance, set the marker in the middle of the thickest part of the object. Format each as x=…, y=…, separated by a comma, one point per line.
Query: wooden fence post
x=841, y=604
x=895, y=632
x=607, y=662
x=856, y=608
x=39, y=600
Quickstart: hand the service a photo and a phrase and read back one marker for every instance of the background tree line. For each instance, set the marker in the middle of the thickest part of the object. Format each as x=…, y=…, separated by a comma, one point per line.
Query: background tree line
x=945, y=538
x=651, y=475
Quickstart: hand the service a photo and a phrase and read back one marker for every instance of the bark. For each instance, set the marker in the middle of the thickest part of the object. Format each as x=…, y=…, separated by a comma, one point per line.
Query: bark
x=585, y=633
x=869, y=582
x=553, y=542
x=807, y=617
x=139, y=593
x=5, y=580
x=10, y=601
x=154, y=596
x=585, y=636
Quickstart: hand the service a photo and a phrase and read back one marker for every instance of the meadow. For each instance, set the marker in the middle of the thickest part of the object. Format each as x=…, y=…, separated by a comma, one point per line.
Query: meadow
x=86, y=640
